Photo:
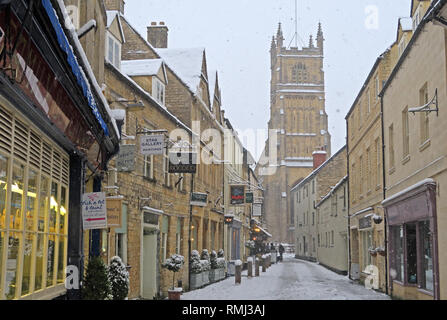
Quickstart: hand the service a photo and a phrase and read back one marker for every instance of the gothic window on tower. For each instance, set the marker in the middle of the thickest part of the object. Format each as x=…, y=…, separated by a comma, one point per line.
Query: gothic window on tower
x=299, y=73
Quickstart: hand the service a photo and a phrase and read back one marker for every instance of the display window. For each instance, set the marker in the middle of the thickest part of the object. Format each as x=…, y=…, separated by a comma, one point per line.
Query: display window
x=34, y=179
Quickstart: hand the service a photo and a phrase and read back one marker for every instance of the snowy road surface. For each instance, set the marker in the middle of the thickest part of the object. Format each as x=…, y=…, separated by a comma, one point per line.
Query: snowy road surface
x=290, y=280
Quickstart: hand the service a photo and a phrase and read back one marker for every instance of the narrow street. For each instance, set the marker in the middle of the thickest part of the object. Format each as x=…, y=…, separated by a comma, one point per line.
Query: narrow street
x=290, y=280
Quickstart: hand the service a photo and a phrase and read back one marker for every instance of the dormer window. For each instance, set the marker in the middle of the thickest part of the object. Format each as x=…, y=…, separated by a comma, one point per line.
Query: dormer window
x=113, y=51
x=417, y=18
x=158, y=90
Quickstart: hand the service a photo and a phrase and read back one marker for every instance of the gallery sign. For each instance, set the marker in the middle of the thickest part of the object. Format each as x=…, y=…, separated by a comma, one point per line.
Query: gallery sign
x=237, y=195
x=125, y=162
x=94, y=211
x=199, y=199
x=114, y=207
x=182, y=162
x=257, y=210
x=152, y=145
x=365, y=223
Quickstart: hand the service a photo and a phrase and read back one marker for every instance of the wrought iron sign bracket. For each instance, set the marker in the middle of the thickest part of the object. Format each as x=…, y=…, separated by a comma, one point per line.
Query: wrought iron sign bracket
x=427, y=107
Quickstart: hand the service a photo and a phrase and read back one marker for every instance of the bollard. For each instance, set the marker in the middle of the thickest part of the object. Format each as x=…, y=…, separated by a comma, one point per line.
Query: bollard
x=250, y=268
x=257, y=267
x=238, y=272
x=264, y=264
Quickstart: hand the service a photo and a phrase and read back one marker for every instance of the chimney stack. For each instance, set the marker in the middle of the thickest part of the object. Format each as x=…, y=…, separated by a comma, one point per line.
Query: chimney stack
x=157, y=35
x=320, y=157
x=117, y=5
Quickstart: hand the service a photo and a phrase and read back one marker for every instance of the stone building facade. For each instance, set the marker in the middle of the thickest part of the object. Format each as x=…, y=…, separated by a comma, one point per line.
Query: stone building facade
x=305, y=196
x=415, y=161
x=332, y=222
x=365, y=150
x=298, y=116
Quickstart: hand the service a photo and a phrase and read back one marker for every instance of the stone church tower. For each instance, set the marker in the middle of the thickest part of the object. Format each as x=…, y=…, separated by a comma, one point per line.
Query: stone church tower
x=298, y=114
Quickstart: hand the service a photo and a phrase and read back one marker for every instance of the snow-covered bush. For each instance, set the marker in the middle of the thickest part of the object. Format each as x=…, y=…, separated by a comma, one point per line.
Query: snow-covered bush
x=96, y=283
x=119, y=279
x=174, y=264
x=205, y=265
x=205, y=255
x=196, y=266
x=221, y=254
x=250, y=244
x=221, y=263
x=213, y=259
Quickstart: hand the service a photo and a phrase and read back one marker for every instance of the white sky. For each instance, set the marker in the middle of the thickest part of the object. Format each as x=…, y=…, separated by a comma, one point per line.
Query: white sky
x=237, y=36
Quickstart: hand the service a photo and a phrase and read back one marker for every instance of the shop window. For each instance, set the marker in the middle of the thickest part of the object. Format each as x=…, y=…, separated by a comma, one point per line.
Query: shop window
x=397, y=253
x=411, y=254
x=33, y=223
x=367, y=245
x=425, y=236
x=406, y=264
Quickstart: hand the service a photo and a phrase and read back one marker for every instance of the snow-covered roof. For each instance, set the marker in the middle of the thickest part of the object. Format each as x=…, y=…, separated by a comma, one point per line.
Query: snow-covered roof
x=406, y=23
x=111, y=16
x=187, y=63
x=144, y=67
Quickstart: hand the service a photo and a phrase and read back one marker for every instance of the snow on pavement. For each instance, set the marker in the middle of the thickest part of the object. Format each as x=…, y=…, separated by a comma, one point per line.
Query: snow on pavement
x=290, y=280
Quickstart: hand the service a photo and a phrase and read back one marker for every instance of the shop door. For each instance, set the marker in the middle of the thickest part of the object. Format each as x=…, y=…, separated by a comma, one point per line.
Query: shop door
x=149, y=264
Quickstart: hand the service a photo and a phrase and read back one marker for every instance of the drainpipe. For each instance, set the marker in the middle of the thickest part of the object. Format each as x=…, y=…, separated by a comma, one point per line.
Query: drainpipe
x=189, y=232
x=384, y=194
x=348, y=203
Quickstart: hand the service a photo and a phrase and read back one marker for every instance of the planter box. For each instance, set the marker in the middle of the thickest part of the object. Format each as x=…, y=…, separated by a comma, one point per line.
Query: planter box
x=205, y=278
x=196, y=280
x=217, y=275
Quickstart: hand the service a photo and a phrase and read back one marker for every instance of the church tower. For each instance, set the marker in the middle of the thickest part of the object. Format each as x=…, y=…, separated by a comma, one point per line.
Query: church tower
x=298, y=115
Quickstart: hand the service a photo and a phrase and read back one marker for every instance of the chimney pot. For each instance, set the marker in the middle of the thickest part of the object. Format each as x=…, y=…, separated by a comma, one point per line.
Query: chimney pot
x=162, y=23
x=157, y=36
x=153, y=23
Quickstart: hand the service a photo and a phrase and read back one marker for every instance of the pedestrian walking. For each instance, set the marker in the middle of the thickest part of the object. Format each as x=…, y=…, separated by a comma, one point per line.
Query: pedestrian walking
x=281, y=252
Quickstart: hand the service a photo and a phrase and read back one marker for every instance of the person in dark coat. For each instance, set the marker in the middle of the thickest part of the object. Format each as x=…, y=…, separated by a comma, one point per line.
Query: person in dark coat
x=281, y=252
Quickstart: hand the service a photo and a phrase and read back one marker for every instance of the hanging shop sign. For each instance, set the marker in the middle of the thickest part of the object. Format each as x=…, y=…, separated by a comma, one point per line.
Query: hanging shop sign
x=152, y=145
x=249, y=197
x=125, y=162
x=257, y=210
x=114, y=211
x=182, y=162
x=199, y=199
x=237, y=195
x=94, y=211
x=365, y=223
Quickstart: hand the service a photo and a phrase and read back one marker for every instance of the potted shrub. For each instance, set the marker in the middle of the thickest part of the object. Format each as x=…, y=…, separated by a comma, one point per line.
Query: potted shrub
x=119, y=279
x=206, y=267
x=174, y=264
x=217, y=264
x=96, y=283
x=196, y=270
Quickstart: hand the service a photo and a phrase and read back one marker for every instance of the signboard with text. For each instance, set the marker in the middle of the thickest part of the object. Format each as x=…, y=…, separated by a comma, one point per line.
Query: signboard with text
x=249, y=197
x=257, y=210
x=182, y=162
x=237, y=195
x=94, y=211
x=199, y=199
x=125, y=162
x=114, y=210
x=152, y=145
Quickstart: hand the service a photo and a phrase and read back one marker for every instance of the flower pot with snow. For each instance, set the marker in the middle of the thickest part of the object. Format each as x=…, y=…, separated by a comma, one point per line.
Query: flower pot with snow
x=196, y=278
x=174, y=264
x=217, y=271
x=174, y=294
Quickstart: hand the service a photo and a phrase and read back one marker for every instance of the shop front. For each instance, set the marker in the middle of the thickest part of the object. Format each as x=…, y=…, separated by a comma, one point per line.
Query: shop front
x=412, y=245
x=53, y=127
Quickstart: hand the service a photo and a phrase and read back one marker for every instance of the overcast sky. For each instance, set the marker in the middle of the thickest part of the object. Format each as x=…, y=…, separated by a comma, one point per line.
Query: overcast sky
x=237, y=36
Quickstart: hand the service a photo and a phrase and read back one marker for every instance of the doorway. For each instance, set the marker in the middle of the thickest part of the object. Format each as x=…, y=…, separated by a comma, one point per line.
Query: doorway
x=150, y=247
